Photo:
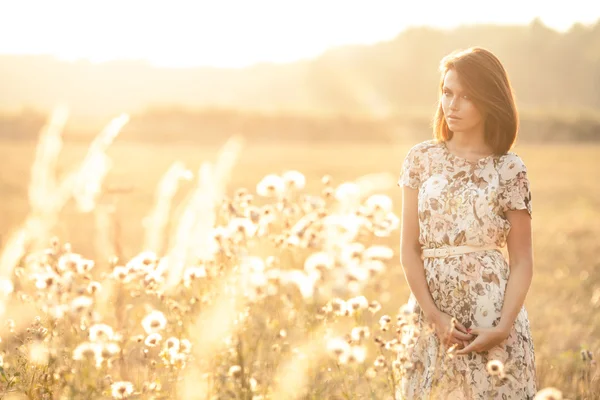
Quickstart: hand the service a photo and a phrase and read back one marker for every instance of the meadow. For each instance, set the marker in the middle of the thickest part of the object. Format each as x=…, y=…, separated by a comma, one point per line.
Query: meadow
x=234, y=328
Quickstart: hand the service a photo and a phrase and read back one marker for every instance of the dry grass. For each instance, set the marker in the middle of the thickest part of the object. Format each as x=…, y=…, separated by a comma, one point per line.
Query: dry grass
x=253, y=329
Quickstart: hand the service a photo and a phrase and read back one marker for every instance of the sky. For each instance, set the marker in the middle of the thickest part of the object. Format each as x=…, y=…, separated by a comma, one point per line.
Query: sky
x=235, y=34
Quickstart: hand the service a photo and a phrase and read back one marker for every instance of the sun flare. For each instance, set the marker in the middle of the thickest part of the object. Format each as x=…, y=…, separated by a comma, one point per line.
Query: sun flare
x=231, y=33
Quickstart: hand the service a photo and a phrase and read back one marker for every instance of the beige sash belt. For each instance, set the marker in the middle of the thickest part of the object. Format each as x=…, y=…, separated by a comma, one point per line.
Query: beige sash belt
x=455, y=250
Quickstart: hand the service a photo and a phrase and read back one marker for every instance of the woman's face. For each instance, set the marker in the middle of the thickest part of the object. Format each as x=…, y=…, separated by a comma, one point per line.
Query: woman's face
x=459, y=110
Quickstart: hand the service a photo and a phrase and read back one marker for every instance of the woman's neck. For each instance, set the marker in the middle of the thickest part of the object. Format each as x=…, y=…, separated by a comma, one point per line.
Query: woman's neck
x=470, y=143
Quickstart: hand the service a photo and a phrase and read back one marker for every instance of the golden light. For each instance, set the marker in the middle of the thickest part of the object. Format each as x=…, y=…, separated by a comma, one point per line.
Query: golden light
x=229, y=33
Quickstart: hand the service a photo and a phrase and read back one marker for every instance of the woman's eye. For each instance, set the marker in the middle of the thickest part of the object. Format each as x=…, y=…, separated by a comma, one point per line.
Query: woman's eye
x=467, y=97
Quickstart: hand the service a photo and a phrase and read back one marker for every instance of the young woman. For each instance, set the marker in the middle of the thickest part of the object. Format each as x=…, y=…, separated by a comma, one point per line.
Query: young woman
x=466, y=196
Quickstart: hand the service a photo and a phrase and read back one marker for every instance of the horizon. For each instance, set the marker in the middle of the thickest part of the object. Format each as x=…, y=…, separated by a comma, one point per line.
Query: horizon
x=275, y=32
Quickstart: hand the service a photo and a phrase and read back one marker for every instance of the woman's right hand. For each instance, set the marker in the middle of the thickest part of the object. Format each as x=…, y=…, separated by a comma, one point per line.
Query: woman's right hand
x=450, y=331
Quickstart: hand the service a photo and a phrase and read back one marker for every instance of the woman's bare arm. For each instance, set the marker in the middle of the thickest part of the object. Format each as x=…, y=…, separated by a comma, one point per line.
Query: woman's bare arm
x=520, y=255
x=410, y=253
x=521, y=270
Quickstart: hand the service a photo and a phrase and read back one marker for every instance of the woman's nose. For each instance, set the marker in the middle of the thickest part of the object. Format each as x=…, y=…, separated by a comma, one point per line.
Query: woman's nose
x=454, y=104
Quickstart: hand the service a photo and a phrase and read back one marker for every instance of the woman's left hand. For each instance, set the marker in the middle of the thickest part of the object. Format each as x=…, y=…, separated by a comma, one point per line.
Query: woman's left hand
x=486, y=339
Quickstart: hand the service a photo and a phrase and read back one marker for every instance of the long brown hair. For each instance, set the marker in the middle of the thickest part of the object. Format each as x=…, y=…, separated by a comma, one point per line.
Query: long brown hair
x=486, y=81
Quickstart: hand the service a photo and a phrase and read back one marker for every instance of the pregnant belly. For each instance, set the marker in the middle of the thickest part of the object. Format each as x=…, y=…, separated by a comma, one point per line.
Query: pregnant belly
x=469, y=287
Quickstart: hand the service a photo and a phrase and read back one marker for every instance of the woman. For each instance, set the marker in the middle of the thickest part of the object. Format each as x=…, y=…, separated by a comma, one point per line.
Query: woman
x=465, y=196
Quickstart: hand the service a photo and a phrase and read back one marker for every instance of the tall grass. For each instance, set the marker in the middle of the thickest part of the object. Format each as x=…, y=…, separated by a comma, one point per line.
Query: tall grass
x=259, y=294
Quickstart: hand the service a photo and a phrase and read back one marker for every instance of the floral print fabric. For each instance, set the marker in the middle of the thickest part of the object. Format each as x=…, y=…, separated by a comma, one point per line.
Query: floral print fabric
x=461, y=202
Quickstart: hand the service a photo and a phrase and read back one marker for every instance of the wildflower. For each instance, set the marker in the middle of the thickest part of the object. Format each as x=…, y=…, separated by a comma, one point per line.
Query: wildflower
x=252, y=264
x=337, y=306
x=45, y=280
x=235, y=371
x=378, y=253
x=38, y=353
x=137, y=338
x=370, y=373
x=373, y=267
x=121, y=390
x=106, y=351
x=384, y=322
x=385, y=227
x=270, y=186
x=84, y=350
x=292, y=241
x=358, y=303
x=357, y=354
x=342, y=228
x=302, y=225
x=94, y=287
x=379, y=202
x=305, y=282
x=190, y=274
x=153, y=340
x=152, y=387
x=252, y=213
x=328, y=192
x=69, y=262
x=379, y=362
x=319, y=261
x=154, y=322
x=253, y=384
x=310, y=203
x=352, y=251
x=81, y=304
x=347, y=192
x=242, y=226
x=549, y=393
x=101, y=333
x=495, y=368
x=84, y=266
x=177, y=359
x=338, y=347
x=172, y=344
x=359, y=333
x=587, y=355
x=121, y=273
x=393, y=345
x=406, y=311
x=185, y=346
x=294, y=179
x=143, y=260
x=374, y=306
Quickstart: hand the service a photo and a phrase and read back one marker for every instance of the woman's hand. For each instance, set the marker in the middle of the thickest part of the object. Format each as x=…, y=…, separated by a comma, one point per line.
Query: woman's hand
x=450, y=331
x=485, y=339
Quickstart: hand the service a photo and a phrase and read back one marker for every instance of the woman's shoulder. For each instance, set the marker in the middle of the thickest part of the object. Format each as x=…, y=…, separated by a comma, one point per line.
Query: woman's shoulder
x=424, y=147
x=510, y=165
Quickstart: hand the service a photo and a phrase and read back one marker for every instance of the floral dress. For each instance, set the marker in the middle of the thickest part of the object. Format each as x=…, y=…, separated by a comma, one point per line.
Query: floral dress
x=461, y=202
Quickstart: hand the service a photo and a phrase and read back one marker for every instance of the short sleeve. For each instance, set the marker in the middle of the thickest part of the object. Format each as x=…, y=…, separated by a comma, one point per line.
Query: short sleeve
x=515, y=191
x=412, y=168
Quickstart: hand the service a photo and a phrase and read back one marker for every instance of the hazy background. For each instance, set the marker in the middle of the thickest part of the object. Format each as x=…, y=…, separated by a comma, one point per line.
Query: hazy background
x=331, y=87
x=280, y=70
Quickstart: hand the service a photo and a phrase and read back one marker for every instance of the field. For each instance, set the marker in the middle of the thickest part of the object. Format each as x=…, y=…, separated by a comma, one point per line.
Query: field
x=563, y=303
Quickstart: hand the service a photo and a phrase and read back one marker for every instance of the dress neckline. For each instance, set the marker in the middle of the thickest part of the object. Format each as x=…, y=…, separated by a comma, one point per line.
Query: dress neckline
x=463, y=159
